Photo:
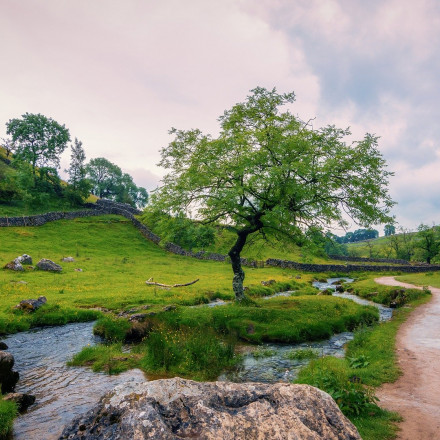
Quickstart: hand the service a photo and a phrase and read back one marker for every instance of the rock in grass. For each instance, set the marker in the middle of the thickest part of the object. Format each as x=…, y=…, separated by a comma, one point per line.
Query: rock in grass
x=14, y=265
x=30, y=305
x=68, y=259
x=24, y=259
x=49, y=265
x=176, y=408
x=23, y=401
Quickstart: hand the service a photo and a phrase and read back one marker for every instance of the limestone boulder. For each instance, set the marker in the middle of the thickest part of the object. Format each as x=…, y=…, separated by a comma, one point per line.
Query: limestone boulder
x=49, y=265
x=68, y=260
x=173, y=409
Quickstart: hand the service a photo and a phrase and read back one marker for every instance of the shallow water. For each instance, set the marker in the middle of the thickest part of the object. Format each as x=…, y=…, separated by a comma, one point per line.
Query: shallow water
x=64, y=392
x=277, y=367
x=61, y=392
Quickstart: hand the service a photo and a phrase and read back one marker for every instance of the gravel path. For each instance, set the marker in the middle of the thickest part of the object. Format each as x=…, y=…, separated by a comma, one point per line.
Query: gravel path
x=416, y=394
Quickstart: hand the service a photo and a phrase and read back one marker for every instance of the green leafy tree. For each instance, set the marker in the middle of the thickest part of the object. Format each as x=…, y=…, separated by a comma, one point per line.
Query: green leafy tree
x=389, y=230
x=428, y=242
x=79, y=187
x=108, y=181
x=105, y=177
x=38, y=140
x=268, y=170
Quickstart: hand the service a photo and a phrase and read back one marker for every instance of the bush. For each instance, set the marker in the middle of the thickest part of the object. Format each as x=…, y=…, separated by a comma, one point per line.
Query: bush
x=112, y=329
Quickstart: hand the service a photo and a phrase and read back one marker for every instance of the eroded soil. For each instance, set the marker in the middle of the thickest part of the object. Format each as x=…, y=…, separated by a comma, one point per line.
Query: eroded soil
x=416, y=394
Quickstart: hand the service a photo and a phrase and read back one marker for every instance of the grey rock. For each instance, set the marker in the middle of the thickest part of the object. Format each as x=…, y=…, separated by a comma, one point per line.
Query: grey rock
x=24, y=259
x=169, y=308
x=8, y=378
x=173, y=409
x=49, y=265
x=68, y=259
x=138, y=317
x=30, y=305
x=78, y=269
x=6, y=362
x=3, y=346
x=23, y=401
x=14, y=265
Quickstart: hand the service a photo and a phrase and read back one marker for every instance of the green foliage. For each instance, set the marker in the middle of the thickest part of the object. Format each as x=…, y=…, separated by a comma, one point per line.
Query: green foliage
x=8, y=411
x=360, y=361
x=179, y=230
x=107, y=358
x=389, y=230
x=428, y=243
x=112, y=329
x=302, y=353
x=198, y=353
x=39, y=140
x=108, y=181
x=263, y=353
x=386, y=295
x=332, y=376
x=268, y=170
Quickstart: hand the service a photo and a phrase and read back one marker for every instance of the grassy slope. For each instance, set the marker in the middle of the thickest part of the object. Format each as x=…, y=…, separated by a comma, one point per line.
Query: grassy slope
x=116, y=260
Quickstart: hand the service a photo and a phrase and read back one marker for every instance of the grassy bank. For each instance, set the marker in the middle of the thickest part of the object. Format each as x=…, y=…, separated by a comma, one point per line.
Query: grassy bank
x=8, y=411
x=370, y=361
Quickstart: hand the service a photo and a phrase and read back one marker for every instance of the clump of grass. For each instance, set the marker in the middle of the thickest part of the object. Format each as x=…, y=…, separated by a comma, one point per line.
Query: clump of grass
x=303, y=353
x=263, y=353
x=8, y=411
x=192, y=353
x=107, y=358
x=332, y=375
x=112, y=329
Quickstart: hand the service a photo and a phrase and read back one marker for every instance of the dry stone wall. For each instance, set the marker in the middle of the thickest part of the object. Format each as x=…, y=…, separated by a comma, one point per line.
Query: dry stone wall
x=369, y=260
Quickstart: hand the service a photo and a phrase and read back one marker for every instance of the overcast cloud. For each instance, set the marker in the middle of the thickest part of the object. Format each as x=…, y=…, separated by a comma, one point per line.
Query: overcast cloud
x=120, y=74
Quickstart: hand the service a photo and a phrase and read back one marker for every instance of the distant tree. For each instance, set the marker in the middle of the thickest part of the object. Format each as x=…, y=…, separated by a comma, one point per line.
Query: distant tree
x=268, y=170
x=389, y=230
x=428, y=242
x=38, y=140
x=79, y=187
x=104, y=176
x=9, y=146
x=108, y=181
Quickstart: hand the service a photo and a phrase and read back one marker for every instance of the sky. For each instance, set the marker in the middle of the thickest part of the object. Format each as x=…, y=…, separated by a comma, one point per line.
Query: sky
x=120, y=74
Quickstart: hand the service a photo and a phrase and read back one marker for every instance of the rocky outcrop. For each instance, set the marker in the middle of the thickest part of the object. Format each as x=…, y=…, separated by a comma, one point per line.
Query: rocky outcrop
x=8, y=377
x=173, y=409
x=49, y=265
x=30, y=305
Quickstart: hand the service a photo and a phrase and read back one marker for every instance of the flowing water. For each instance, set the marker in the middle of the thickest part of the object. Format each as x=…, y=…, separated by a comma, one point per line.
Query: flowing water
x=61, y=392
x=64, y=392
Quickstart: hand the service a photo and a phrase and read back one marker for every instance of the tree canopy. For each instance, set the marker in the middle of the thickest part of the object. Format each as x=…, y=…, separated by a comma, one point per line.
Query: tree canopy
x=267, y=169
x=108, y=180
x=38, y=140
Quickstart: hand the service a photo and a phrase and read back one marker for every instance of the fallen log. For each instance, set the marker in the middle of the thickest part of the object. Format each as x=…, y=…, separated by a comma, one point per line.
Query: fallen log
x=150, y=282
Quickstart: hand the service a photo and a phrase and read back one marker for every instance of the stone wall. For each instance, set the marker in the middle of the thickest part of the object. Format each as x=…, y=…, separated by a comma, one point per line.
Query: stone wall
x=369, y=260
x=348, y=268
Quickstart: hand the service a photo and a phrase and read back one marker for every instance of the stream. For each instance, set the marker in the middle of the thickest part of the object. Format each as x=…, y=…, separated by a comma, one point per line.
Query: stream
x=63, y=392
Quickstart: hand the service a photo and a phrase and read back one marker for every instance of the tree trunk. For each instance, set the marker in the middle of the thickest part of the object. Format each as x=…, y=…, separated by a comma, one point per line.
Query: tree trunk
x=234, y=254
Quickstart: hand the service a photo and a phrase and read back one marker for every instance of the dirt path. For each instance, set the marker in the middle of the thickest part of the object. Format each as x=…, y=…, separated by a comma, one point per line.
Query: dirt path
x=416, y=394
